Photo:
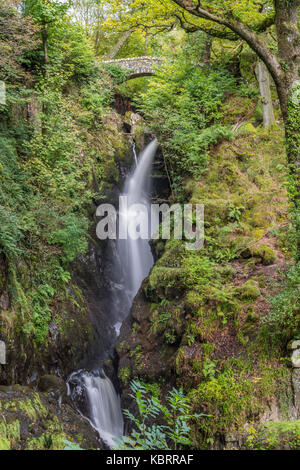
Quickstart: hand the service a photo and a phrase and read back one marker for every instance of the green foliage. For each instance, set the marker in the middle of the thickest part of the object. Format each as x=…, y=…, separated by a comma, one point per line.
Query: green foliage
x=45, y=173
x=13, y=195
x=9, y=434
x=232, y=397
x=235, y=212
x=17, y=41
x=96, y=103
x=274, y=436
x=45, y=11
x=118, y=73
x=284, y=317
x=70, y=51
x=209, y=370
x=175, y=418
x=293, y=152
x=125, y=374
x=182, y=104
x=71, y=237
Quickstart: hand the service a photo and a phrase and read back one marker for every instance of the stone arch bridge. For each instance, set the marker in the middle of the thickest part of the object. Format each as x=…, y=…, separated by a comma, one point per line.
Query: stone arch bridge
x=138, y=66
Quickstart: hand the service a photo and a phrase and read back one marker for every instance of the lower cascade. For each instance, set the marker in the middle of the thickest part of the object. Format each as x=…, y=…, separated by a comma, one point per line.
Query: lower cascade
x=92, y=391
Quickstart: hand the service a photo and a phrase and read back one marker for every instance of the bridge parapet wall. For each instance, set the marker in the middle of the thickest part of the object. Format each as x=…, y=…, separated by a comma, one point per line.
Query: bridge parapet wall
x=138, y=66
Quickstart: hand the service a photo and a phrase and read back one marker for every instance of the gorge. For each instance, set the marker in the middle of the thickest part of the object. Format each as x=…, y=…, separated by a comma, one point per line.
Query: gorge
x=146, y=341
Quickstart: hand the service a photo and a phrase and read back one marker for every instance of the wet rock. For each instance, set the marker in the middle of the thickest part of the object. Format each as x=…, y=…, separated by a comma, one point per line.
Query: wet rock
x=54, y=386
x=32, y=421
x=137, y=128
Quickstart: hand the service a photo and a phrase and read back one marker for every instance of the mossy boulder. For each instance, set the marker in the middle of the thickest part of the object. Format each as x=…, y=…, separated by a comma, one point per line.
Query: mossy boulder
x=53, y=385
x=246, y=129
x=34, y=421
x=164, y=283
x=51, y=382
x=277, y=435
x=262, y=253
x=249, y=290
x=265, y=253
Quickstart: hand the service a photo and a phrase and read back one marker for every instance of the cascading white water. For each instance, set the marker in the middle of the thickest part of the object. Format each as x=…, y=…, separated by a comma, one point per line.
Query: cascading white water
x=105, y=409
x=135, y=254
x=97, y=400
x=134, y=153
x=93, y=392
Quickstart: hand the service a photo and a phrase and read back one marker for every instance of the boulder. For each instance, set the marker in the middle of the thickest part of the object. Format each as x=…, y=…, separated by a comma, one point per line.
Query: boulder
x=295, y=358
x=54, y=386
x=2, y=353
x=249, y=290
x=293, y=344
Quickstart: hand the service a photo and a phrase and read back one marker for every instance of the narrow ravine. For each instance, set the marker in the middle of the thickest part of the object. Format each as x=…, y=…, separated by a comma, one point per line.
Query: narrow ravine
x=93, y=393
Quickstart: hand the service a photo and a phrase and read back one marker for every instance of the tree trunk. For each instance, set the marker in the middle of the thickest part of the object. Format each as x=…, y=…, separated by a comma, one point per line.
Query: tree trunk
x=97, y=41
x=45, y=43
x=286, y=22
x=146, y=44
x=114, y=51
x=206, y=54
x=265, y=93
x=292, y=136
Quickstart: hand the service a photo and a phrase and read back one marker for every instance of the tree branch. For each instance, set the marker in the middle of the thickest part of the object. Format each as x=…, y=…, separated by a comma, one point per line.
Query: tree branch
x=192, y=28
x=241, y=30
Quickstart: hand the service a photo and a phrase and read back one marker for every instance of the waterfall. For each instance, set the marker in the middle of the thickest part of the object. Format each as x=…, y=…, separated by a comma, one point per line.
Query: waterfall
x=96, y=399
x=135, y=255
x=93, y=392
x=134, y=153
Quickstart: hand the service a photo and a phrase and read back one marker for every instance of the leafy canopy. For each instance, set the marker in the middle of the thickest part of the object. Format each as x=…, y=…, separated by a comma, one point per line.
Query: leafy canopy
x=46, y=11
x=167, y=14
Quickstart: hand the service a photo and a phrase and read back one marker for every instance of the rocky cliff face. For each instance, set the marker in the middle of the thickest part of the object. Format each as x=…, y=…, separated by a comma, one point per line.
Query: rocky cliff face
x=78, y=329
x=81, y=332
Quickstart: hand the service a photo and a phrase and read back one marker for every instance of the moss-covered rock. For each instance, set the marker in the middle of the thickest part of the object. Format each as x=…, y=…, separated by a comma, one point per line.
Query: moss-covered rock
x=246, y=129
x=34, y=421
x=265, y=253
x=249, y=290
x=278, y=435
x=164, y=282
